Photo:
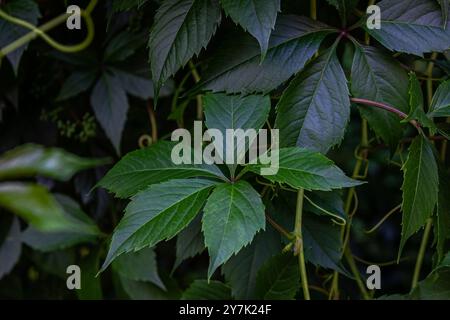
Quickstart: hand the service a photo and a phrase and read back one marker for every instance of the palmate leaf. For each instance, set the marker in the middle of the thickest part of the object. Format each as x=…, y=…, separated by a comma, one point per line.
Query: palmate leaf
x=190, y=241
x=158, y=213
x=378, y=77
x=10, y=248
x=181, y=29
x=207, y=290
x=442, y=225
x=440, y=105
x=412, y=26
x=255, y=16
x=233, y=214
x=241, y=270
x=278, y=278
x=76, y=83
x=416, y=111
x=314, y=110
x=141, y=168
x=302, y=168
x=420, y=187
x=31, y=160
x=237, y=66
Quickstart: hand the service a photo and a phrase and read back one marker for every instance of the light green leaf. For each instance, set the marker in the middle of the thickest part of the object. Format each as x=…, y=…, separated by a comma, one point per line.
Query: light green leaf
x=207, y=290
x=233, y=214
x=440, y=105
x=257, y=17
x=314, y=110
x=141, y=168
x=158, y=213
x=302, y=168
x=420, y=187
x=31, y=160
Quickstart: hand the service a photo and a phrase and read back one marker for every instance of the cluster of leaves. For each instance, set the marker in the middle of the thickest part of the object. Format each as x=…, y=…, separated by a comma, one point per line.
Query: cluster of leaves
x=313, y=74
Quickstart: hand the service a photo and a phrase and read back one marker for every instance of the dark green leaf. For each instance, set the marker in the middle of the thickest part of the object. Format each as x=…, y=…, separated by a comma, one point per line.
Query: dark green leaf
x=190, y=241
x=442, y=225
x=344, y=7
x=10, y=249
x=141, y=168
x=257, y=17
x=91, y=288
x=233, y=214
x=124, y=5
x=123, y=46
x=445, y=8
x=440, y=106
x=207, y=290
x=78, y=82
x=326, y=203
x=314, y=110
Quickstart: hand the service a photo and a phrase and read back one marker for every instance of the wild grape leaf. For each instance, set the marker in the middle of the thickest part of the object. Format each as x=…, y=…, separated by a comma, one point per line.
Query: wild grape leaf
x=442, y=225
x=27, y=10
x=326, y=204
x=413, y=26
x=110, y=103
x=139, y=266
x=140, y=290
x=207, y=290
x=76, y=83
x=225, y=112
x=314, y=110
x=302, y=168
x=237, y=66
x=141, y=168
x=378, y=77
x=420, y=187
x=278, y=278
x=10, y=248
x=158, y=213
x=233, y=214
x=241, y=270
x=440, y=105
x=256, y=17
x=190, y=242
x=181, y=29
x=122, y=46
x=31, y=160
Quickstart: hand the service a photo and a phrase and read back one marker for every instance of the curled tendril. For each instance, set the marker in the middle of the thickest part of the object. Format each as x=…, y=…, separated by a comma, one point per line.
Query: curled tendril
x=41, y=32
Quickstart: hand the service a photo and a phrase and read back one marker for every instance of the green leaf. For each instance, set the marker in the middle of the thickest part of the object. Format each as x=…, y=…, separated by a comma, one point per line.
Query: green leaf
x=414, y=26
x=344, y=7
x=151, y=165
x=125, y=5
x=27, y=10
x=378, y=77
x=10, y=249
x=278, y=278
x=233, y=214
x=158, y=213
x=51, y=241
x=302, y=168
x=241, y=270
x=237, y=66
x=314, y=110
x=207, y=290
x=326, y=203
x=76, y=83
x=256, y=17
x=91, y=288
x=37, y=206
x=445, y=8
x=224, y=112
x=440, y=105
x=31, y=160
x=442, y=225
x=135, y=85
x=123, y=46
x=139, y=266
x=420, y=187
x=181, y=29
x=190, y=242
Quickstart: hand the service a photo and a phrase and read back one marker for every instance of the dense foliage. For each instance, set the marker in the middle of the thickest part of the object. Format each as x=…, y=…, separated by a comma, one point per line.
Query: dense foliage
x=87, y=178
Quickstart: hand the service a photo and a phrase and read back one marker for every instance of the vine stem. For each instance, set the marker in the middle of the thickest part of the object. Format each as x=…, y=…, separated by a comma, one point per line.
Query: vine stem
x=197, y=78
x=153, y=122
x=299, y=243
x=355, y=271
x=313, y=9
x=421, y=255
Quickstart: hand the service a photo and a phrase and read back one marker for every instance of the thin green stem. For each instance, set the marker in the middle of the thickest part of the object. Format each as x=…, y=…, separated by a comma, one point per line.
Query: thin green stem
x=196, y=77
x=355, y=272
x=299, y=244
x=313, y=9
x=421, y=254
x=430, y=78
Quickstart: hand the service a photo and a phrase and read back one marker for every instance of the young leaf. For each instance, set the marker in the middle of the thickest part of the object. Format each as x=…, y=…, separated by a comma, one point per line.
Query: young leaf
x=256, y=17
x=181, y=29
x=233, y=214
x=139, y=266
x=278, y=278
x=412, y=26
x=207, y=290
x=420, y=187
x=241, y=270
x=237, y=66
x=314, y=110
x=440, y=105
x=27, y=10
x=302, y=168
x=225, y=112
x=158, y=213
x=378, y=77
x=110, y=103
x=190, y=242
x=31, y=160
x=151, y=165
x=10, y=249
